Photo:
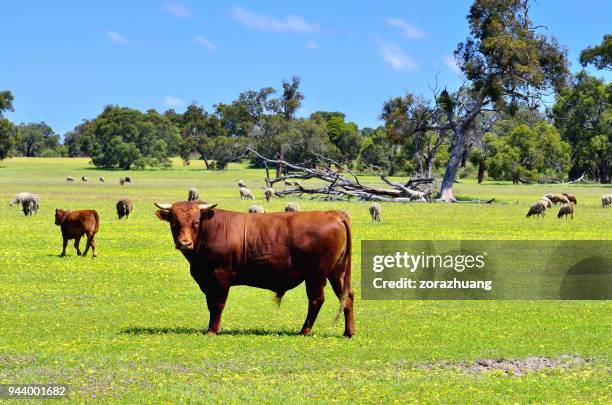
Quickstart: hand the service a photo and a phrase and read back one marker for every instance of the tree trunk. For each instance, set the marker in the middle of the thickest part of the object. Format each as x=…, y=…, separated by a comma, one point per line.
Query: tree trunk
x=464, y=157
x=604, y=177
x=429, y=164
x=446, y=192
x=279, y=166
x=481, y=170
x=205, y=159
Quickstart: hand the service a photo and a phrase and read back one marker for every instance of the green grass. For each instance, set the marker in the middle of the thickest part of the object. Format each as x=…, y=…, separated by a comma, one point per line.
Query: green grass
x=127, y=326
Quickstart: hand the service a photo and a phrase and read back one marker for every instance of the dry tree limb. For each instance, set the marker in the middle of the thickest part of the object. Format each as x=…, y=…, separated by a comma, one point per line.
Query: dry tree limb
x=341, y=187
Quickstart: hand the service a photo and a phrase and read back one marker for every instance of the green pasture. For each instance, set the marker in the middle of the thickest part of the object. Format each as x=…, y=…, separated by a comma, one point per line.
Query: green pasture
x=127, y=326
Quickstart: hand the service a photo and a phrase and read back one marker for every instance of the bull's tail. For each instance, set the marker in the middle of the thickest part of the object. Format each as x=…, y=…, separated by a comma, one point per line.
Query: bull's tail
x=346, y=264
x=97, y=227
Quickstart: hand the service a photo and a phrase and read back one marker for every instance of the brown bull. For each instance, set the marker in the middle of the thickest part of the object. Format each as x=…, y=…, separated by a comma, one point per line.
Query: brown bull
x=275, y=251
x=74, y=225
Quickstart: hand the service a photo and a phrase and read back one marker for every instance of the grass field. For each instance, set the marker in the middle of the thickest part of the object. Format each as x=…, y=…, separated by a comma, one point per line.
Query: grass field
x=128, y=325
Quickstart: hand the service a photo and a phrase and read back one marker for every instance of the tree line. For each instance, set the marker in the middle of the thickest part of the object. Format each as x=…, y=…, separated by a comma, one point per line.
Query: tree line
x=497, y=123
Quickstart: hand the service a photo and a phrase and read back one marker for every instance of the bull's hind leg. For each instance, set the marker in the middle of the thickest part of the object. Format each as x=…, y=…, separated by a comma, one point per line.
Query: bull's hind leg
x=76, y=245
x=315, y=290
x=90, y=243
x=337, y=282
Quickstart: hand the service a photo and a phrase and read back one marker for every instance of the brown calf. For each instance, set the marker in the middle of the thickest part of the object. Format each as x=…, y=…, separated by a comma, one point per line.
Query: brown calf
x=74, y=225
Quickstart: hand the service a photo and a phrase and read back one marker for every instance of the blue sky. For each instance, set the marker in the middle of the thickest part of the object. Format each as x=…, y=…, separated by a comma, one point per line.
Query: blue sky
x=65, y=60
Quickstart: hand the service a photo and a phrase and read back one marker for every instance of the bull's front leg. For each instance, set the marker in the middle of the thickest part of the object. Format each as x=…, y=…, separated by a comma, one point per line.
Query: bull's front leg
x=216, y=302
x=64, y=245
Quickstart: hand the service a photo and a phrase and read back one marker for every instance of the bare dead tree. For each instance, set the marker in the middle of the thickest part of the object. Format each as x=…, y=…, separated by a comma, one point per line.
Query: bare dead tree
x=343, y=184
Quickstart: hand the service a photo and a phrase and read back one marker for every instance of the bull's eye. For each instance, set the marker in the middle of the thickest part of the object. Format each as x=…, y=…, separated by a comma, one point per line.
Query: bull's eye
x=196, y=224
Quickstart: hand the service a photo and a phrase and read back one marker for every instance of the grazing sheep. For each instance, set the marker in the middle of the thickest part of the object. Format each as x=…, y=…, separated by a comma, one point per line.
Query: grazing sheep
x=547, y=202
x=571, y=197
x=122, y=181
x=69, y=179
x=537, y=209
x=246, y=194
x=84, y=178
x=194, y=194
x=375, y=212
x=124, y=208
x=292, y=207
x=30, y=207
x=256, y=209
x=241, y=183
x=269, y=193
x=557, y=198
x=29, y=202
x=565, y=210
x=418, y=196
x=606, y=200
x=101, y=179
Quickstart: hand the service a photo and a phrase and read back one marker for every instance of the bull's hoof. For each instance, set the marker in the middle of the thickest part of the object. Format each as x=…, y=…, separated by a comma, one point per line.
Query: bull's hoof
x=349, y=334
x=78, y=253
x=211, y=333
x=305, y=332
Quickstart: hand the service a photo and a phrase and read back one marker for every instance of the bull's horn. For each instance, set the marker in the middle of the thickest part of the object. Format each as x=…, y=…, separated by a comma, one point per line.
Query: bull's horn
x=204, y=207
x=163, y=206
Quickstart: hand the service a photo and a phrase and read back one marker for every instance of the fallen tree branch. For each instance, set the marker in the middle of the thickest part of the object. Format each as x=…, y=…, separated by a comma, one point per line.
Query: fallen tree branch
x=341, y=187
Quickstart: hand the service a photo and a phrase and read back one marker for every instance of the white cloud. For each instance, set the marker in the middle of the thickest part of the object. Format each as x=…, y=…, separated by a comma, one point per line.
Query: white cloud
x=290, y=23
x=201, y=39
x=177, y=9
x=408, y=30
x=312, y=45
x=116, y=37
x=395, y=57
x=173, y=102
x=451, y=63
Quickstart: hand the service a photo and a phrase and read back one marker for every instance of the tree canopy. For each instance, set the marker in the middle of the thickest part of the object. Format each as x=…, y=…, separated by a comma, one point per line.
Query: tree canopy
x=583, y=114
x=600, y=55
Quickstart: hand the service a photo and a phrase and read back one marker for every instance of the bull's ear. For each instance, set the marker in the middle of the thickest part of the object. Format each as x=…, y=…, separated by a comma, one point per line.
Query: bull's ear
x=162, y=214
x=207, y=207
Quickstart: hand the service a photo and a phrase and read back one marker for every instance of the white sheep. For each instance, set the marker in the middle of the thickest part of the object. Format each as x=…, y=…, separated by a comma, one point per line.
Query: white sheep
x=606, y=200
x=246, y=194
x=102, y=179
x=375, y=212
x=292, y=207
x=269, y=193
x=193, y=195
x=256, y=209
x=547, y=202
x=29, y=202
x=69, y=179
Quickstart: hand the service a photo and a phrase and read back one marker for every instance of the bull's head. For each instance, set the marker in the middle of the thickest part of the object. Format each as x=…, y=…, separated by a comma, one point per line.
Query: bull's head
x=59, y=216
x=184, y=219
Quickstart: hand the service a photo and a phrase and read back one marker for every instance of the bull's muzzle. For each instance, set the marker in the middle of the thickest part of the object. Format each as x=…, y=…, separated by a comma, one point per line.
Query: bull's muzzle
x=184, y=245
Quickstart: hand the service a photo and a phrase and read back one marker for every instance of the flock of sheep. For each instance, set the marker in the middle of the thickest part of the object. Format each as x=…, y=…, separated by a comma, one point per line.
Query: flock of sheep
x=568, y=204
x=122, y=180
x=247, y=194
x=30, y=202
